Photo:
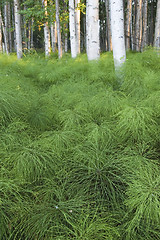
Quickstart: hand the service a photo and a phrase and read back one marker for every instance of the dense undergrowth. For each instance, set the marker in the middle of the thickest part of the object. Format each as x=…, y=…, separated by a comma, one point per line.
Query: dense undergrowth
x=79, y=153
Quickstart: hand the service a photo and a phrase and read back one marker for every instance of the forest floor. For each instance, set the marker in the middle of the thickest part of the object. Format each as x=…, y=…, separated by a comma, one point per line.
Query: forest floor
x=79, y=150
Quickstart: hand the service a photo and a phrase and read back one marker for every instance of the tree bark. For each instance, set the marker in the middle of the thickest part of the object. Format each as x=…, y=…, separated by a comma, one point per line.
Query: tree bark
x=66, y=43
x=58, y=30
x=32, y=42
x=128, y=24
x=14, y=33
x=87, y=16
x=29, y=35
x=72, y=27
x=157, y=27
x=93, y=30
x=1, y=49
x=6, y=23
x=9, y=27
x=54, y=36
x=4, y=34
x=46, y=32
x=18, y=29
x=144, y=38
x=134, y=26
x=108, y=26
x=117, y=27
x=152, y=23
x=77, y=25
x=139, y=25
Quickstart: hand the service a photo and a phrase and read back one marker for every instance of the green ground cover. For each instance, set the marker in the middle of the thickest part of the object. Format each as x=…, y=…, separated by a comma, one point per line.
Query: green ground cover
x=79, y=153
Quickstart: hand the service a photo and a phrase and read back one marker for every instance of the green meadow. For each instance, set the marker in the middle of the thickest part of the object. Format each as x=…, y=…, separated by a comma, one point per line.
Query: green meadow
x=79, y=150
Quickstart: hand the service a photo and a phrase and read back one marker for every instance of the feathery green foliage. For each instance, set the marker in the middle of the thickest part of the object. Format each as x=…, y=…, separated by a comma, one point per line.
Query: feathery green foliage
x=79, y=154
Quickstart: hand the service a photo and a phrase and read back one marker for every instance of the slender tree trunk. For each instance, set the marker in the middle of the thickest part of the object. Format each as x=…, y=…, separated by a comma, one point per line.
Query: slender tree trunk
x=134, y=26
x=4, y=35
x=86, y=28
x=29, y=35
x=18, y=29
x=77, y=23
x=157, y=27
x=14, y=32
x=32, y=42
x=93, y=30
x=58, y=30
x=9, y=27
x=144, y=38
x=84, y=32
x=66, y=43
x=152, y=23
x=108, y=26
x=128, y=24
x=65, y=31
x=46, y=32
x=110, y=32
x=25, y=31
x=54, y=36
x=1, y=49
x=117, y=27
x=6, y=23
x=139, y=25
x=72, y=27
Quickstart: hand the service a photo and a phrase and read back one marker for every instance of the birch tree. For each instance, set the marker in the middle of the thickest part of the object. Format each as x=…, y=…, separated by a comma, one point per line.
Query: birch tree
x=92, y=28
x=117, y=27
x=72, y=28
x=77, y=25
x=18, y=29
x=157, y=27
x=46, y=32
x=54, y=36
x=4, y=34
x=58, y=30
x=9, y=27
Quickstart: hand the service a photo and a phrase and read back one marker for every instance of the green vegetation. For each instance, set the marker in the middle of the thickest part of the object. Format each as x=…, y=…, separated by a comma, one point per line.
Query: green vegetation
x=79, y=153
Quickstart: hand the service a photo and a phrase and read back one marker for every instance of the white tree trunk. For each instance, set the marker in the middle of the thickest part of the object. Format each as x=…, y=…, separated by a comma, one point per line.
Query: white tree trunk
x=66, y=43
x=58, y=30
x=54, y=36
x=157, y=27
x=18, y=29
x=72, y=28
x=77, y=23
x=46, y=32
x=93, y=49
x=5, y=46
x=117, y=28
